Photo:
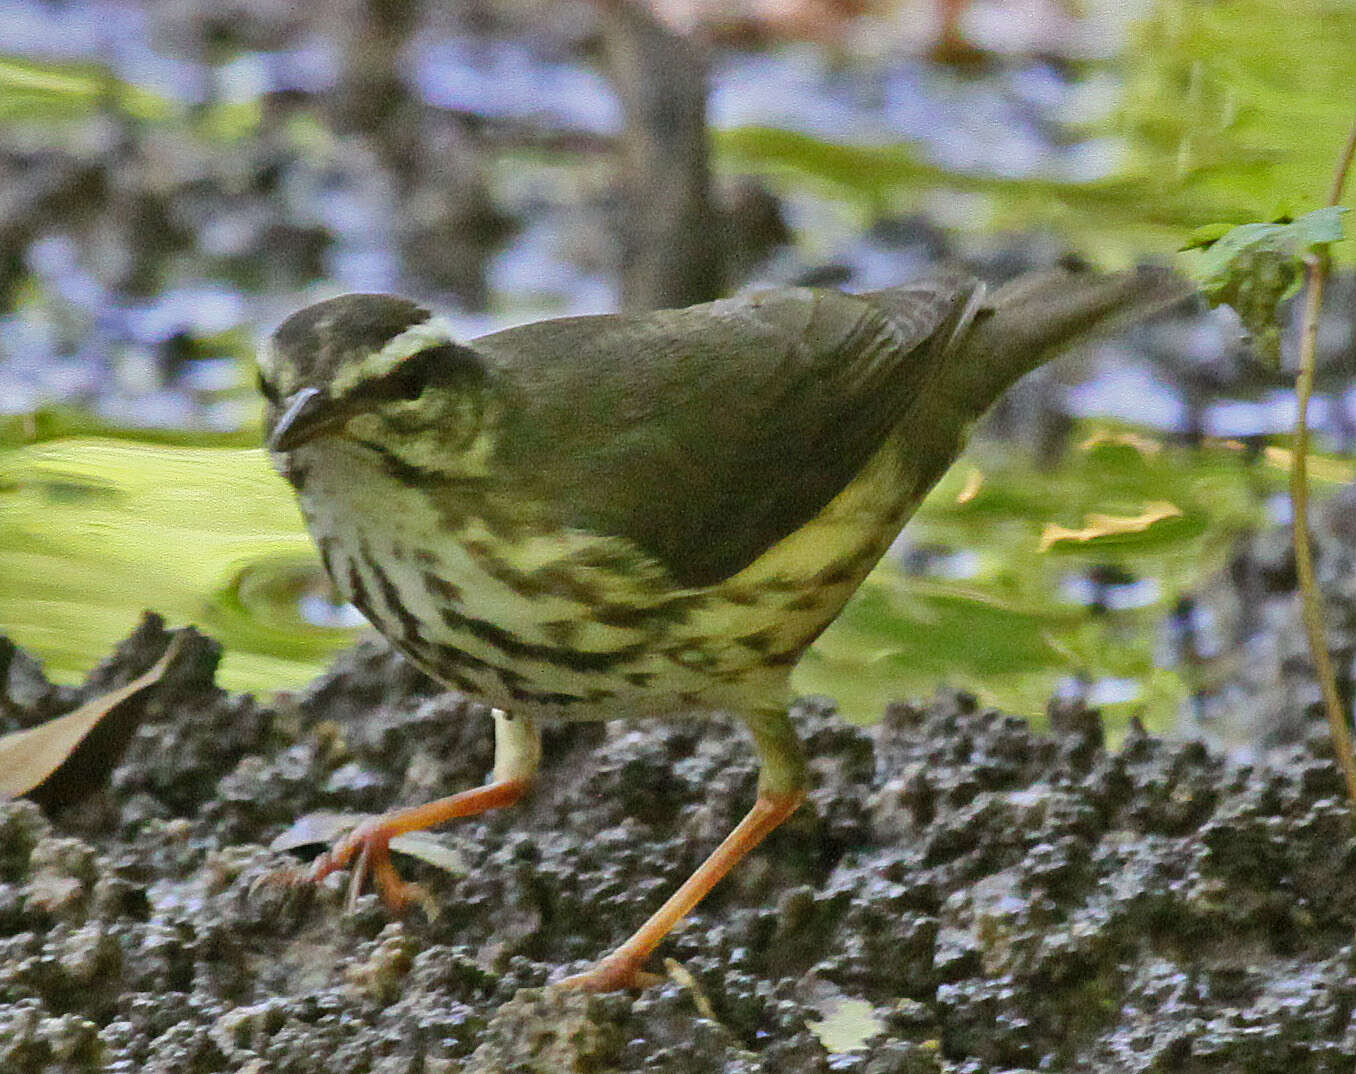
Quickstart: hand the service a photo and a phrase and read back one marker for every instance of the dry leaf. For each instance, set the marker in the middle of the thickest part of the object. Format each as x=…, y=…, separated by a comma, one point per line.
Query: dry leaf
x=1109, y=525
x=847, y=1025
x=1144, y=445
x=427, y=847
x=28, y=758
x=974, y=481
x=316, y=828
x=1319, y=467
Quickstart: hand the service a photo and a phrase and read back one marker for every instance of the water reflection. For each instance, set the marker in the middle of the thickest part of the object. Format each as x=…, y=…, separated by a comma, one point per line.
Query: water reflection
x=324, y=610
x=1012, y=122
x=1109, y=588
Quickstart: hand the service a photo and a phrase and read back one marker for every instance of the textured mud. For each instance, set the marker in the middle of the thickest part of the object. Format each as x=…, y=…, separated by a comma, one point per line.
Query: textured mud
x=976, y=897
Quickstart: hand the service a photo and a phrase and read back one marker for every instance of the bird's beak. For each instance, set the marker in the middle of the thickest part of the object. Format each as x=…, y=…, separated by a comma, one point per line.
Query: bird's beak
x=308, y=414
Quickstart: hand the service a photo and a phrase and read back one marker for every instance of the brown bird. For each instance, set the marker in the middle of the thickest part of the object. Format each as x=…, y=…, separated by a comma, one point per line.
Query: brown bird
x=620, y=516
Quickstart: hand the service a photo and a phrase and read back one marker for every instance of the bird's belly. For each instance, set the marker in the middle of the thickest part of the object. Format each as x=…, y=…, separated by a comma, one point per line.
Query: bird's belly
x=571, y=625
x=565, y=625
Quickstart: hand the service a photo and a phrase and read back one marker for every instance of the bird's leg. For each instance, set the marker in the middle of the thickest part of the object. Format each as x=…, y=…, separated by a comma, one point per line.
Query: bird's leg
x=781, y=789
x=517, y=752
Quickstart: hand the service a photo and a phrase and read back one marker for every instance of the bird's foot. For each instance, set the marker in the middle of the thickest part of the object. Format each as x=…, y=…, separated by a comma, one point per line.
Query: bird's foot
x=366, y=848
x=618, y=972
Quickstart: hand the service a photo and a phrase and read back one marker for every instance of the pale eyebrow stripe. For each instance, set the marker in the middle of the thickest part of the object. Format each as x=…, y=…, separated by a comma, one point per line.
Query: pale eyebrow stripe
x=432, y=332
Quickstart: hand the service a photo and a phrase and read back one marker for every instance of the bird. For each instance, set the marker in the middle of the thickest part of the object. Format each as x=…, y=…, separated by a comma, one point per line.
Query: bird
x=640, y=515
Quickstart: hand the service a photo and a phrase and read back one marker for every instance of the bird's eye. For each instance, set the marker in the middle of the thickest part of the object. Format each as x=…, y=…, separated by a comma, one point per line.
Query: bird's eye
x=406, y=383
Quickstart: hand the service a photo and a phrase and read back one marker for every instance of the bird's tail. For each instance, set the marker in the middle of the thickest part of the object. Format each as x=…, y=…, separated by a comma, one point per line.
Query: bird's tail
x=1031, y=319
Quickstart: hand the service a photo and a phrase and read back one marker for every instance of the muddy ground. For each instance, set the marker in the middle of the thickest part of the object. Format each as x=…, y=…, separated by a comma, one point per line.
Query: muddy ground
x=962, y=894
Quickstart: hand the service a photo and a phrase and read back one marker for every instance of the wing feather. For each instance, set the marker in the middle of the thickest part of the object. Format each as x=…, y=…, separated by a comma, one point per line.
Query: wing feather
x=705, y=435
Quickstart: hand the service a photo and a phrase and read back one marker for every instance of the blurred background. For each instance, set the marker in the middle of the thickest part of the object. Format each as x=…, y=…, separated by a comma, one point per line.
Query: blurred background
x=177, y=176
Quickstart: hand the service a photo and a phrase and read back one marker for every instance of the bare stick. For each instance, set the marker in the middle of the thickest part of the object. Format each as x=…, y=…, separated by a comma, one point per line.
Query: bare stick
x=1316, y=276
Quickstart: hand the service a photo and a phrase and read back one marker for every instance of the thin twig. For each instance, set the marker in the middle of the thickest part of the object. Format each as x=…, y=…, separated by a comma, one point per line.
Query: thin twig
x=1316, y=276
x=1339, y=178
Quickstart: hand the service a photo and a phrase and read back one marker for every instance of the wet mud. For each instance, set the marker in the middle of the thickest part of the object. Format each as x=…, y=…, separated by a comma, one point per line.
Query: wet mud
x=961, y=894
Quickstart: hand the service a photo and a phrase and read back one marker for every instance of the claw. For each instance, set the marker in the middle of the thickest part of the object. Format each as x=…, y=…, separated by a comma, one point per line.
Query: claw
x=356, y=877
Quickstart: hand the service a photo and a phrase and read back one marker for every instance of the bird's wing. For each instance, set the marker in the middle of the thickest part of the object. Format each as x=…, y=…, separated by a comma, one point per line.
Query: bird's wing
x=705, y=435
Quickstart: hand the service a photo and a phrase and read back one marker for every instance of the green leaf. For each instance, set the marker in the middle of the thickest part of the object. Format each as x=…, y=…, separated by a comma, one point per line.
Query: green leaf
x=1255, y=266
x=1206, y=235
x=1322, y=226
x=1291, y=238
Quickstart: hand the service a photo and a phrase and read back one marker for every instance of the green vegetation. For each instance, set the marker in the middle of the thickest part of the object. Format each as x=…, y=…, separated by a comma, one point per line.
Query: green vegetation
x=94, y=530
x=1014, y=630
x=1231, y=112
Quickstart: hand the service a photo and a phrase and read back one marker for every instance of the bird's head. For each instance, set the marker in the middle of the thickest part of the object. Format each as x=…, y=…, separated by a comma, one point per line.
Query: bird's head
x=375, y=370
